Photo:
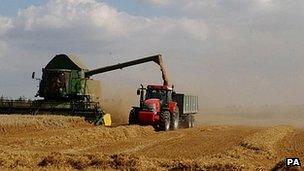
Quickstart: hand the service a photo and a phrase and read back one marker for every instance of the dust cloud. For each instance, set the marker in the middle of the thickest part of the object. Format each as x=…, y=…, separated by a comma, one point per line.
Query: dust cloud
x=119, y=109
x=119, y=101
x=292, y=115
x=228, y=99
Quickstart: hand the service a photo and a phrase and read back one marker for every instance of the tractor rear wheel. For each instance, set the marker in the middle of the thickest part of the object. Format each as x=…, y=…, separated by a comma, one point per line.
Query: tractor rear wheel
x=175, y=119
x=133, y=116
x=164, y=124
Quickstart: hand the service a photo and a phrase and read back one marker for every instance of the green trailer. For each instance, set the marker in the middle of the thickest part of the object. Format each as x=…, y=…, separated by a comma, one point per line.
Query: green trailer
x=188, y=107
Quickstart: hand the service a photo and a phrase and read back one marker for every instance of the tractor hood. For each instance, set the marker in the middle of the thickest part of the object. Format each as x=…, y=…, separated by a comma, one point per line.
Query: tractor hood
x=152, y=105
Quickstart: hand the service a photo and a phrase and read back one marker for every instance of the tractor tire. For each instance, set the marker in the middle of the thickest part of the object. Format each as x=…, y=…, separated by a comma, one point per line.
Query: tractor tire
x=133, y=116
x=174, y=124
x=164, y=123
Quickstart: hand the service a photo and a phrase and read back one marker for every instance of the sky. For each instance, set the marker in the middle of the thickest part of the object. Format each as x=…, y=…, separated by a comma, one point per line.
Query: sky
x=229, y=52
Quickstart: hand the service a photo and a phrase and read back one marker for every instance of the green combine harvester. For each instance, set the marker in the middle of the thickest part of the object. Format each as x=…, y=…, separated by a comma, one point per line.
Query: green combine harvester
x=66, y=88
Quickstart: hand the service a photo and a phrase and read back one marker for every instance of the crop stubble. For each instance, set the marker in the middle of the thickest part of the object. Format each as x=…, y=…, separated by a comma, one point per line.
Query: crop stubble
x=48, y=142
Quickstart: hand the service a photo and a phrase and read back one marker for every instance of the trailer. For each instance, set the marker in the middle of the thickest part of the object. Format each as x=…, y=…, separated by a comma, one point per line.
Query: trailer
x=188, y=107
x=163, y=108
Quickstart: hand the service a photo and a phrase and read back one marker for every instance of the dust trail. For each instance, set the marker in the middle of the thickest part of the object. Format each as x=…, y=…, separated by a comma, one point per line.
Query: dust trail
x=118, y=108
x=292, y=115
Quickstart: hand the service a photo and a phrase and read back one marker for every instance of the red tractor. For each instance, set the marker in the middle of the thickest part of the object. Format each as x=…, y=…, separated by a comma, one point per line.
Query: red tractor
x=163, y=108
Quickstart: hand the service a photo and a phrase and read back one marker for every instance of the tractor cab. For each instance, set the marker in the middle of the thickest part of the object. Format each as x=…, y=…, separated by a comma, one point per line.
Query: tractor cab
x=163, y=93
x=155, y=93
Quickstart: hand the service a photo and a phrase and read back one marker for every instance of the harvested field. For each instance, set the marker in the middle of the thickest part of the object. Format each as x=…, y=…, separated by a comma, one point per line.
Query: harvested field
x=58, y=142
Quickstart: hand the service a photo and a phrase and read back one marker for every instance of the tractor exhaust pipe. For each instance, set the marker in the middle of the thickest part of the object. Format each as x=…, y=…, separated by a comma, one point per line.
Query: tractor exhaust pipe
x=142, y=96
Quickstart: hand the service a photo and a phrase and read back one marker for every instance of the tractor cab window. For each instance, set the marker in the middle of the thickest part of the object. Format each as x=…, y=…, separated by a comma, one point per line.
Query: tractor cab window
x=157, y=94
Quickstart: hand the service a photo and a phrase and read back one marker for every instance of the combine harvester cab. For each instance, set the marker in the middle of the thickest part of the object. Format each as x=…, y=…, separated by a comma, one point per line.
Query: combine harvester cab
x=64, y=78
x=65, y=87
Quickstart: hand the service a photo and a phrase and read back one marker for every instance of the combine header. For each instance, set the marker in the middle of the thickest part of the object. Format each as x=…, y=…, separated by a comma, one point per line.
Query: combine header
x=67, y=89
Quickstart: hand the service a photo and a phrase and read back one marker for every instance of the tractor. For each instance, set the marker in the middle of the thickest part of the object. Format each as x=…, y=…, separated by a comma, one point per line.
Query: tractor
x=163, y=108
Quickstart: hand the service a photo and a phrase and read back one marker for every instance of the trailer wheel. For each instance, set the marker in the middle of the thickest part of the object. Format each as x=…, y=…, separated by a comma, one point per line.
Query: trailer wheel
x=133, y=116
x=192, y=120
x=164, y=124
x=187, y=121
x=175, y=119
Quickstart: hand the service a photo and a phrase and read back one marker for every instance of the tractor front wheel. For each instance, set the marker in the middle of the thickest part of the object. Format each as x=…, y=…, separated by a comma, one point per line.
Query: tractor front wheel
x=164, y=124
x=133, y=116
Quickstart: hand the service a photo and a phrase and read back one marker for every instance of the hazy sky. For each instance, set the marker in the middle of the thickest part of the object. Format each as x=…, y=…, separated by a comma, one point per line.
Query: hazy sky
x=229, y=52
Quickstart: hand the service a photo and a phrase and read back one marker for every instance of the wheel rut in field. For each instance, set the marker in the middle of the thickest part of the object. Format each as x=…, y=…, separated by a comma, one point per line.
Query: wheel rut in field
x=150, y=144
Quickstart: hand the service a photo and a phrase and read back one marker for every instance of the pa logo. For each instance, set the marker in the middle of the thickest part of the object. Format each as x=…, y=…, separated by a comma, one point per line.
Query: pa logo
x=292, y=162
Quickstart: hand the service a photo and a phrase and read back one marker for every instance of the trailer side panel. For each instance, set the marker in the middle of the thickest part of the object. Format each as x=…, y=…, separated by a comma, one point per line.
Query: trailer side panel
x=187, y=104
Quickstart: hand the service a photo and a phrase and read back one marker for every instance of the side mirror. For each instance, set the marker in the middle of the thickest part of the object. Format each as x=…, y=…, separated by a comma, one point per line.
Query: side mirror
x=138, y=92
x=33, y=75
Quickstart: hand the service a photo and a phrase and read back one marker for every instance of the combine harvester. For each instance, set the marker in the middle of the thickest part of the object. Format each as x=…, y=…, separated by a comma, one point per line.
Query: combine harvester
x=67, y=89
